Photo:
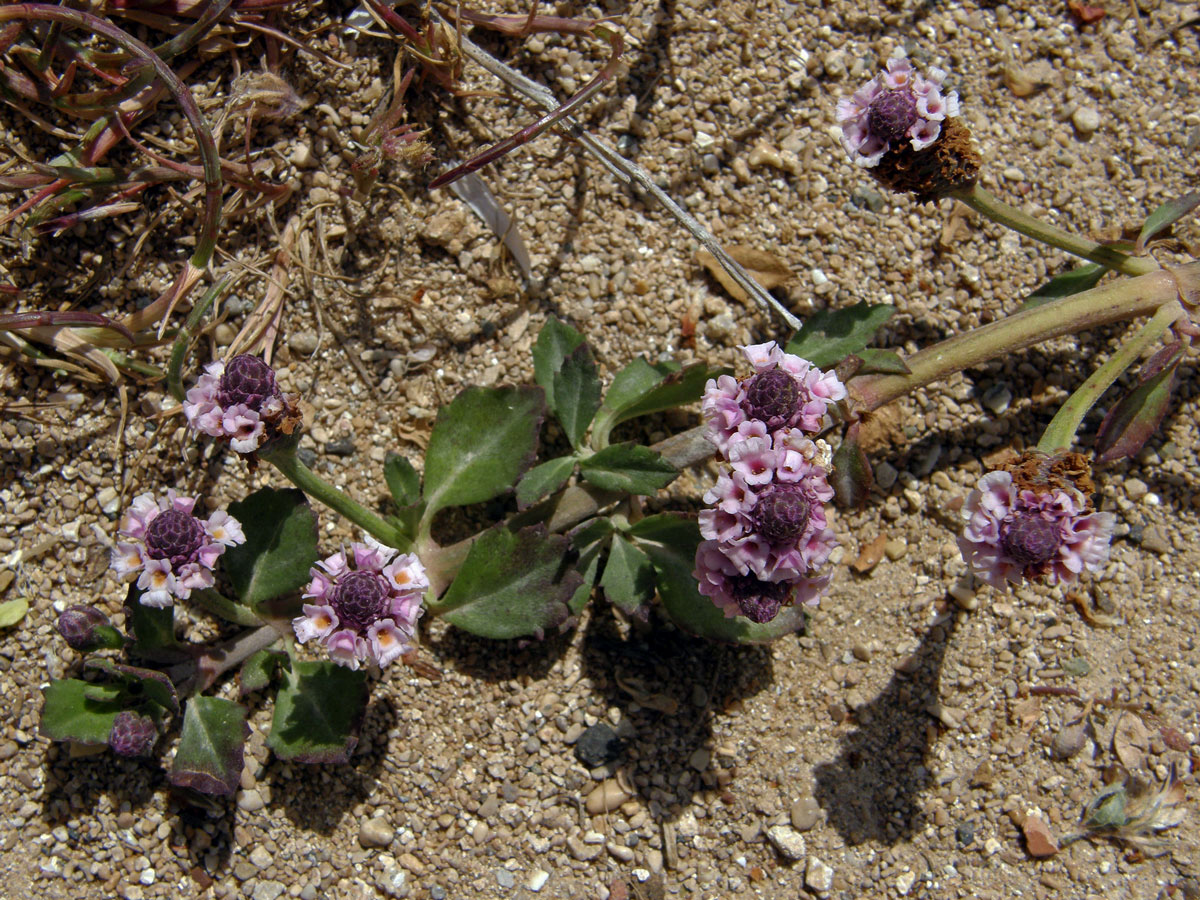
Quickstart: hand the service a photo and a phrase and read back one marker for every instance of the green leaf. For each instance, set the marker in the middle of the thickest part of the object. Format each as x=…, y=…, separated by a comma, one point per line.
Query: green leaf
x=402, y=480
x=555, y=342
x=1081, y=278
x=1166, y=215
x=630, y=468
x=641, y=388
x=589, y=541
x=671, y=541
x=833, y=334
x=881, y=362
x=544, y=479
x=211, y=746
x=258, y=671
x=481, y=443
x=852, y=477
x=13, y=611
x=280, y=548
x=511, y=585
x=628, y=579
x=1076, y=666
x=318, y=712
x=564, y=367
x=153, y=630
x=1107, y=810
x=149, y=684
x=1136, y=416
x=79, y=711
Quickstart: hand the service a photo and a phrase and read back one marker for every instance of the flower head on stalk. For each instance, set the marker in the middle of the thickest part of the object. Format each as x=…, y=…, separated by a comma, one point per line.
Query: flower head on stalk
x=903, y=127
x=1034, y=519
x=901, y=105
x=365, y=613
x=174, y=550
x=785, y=391
x=238, y=400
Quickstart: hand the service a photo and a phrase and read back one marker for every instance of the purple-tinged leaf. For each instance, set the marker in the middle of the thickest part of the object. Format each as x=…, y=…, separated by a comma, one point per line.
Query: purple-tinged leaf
x=852, y=478
x=61, y=319
x=511, y=585
x=481, y=444
x=671, y=541
x=588, y=541
x=318, y=712
x=1165, y=216
x=80, y=711
x=211, y=746
x=149, y=684
x=1137, y=415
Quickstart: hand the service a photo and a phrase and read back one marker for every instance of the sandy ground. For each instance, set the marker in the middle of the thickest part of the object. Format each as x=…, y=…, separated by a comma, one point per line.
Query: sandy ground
x=891, y=751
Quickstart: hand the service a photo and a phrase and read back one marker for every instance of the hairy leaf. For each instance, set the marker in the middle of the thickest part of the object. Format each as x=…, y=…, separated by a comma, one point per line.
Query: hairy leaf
x=318, y=712
x=153, y=630
x=566, y=371
x=630, y=468
x=79, y=711
x=588, y=541
x=402, y=480
x=211, y=746
x=1165, y=216
x=851, y=478
x=1136, y=416
x=280, y=547
x=833, y=334
x=544, y=479
x=628, y=579
x=671, y=541
x=555, y=342
x=138, y=684
x=880, y=362
x=481, y=443
x=258, y=671
x=1064, y=284
x=642, y=388
x=512, y=584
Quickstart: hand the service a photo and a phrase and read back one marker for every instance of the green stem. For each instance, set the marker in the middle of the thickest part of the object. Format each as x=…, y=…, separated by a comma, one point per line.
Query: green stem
x=284, y=459
x=220, y=605
x=987, y=204
x=1117, y=302
x=1060, y=433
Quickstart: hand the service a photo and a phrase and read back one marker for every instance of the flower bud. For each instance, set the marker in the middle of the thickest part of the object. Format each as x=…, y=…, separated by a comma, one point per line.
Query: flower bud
x=132, y=734
x=85, y=628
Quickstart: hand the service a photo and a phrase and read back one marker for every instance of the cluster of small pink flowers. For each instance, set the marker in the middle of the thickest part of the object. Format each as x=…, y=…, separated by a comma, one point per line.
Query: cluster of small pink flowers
x=364, y=614
x=900, y=104
x=174, y=550
x=766, y=534
x=1014, y=533
x=236, y=400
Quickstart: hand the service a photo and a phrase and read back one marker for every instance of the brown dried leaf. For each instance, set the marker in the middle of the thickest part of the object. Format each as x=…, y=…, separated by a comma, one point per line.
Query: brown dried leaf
x=1130, y=740
x=765, y=268
x=643, y=697
x=1174, y=739
x=1084, y=12
x=1026, y=713
x=870, y=555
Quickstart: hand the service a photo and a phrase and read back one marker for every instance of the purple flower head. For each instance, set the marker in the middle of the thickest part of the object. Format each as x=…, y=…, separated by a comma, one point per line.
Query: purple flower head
x=1015, y=531
x=741, y=594
x=174, y=550
x=900, y=105
x=785, y=392
x=85, y=628
x=239, y=401
x=366, y=613
x=132, y=734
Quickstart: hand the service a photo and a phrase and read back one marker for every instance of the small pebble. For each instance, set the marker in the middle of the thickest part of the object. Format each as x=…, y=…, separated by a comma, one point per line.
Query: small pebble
x=805, y=813
x=788, y=841
x=818, y=876
x=537, y=880
x=303, y=342
x=964, y=834
x=904, y=882
x=598, y=745
x=1086, y=120
x=505, y=878
x=376, y=832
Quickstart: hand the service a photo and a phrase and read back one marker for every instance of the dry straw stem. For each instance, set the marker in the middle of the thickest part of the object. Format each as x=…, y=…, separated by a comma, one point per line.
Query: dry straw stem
x=627, y=172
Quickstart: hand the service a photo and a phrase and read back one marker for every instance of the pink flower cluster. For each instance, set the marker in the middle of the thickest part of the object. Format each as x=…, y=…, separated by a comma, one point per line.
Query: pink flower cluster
x=174, y=551
x=237, y=400
x=899, y=105
x=766, y=532
x=1012, y=533
x=364, y=614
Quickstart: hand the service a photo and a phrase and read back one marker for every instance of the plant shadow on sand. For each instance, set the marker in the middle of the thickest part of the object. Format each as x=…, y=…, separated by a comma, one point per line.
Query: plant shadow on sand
x=668, y=687
x=870, y=791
